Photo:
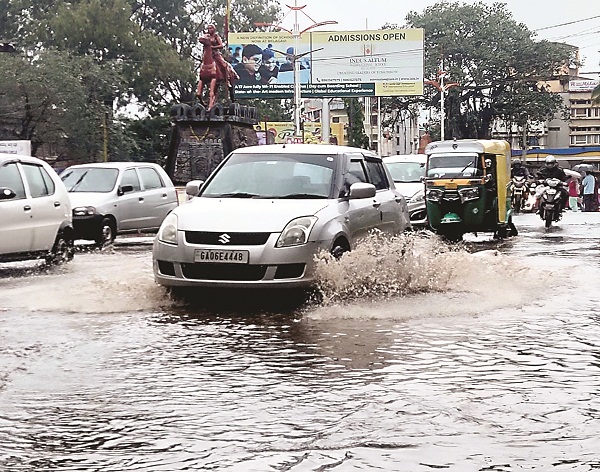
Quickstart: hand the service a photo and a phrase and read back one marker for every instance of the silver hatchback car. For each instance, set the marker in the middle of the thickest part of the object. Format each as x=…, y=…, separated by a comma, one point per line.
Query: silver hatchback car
x=266, y=211
x=112, y=198
x=408, y=172
x=35, y=211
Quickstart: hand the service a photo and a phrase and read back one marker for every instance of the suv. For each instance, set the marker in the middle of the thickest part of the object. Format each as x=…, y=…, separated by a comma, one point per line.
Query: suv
x=35, y=211
x=408, y=172
x=118, y=197
x=267, y=211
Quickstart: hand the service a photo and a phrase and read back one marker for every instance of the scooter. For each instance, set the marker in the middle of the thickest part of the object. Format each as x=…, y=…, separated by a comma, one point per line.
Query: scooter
x=533, y=195
x=518, y=192
x=551, y=201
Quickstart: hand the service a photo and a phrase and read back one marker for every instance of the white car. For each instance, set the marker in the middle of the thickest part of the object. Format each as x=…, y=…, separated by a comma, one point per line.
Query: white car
x=266, y=211
x=111, y=198
x=408, y=170
x=35, y=211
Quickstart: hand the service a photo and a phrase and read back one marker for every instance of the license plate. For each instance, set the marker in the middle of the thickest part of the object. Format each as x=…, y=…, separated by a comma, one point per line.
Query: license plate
x=223, y=256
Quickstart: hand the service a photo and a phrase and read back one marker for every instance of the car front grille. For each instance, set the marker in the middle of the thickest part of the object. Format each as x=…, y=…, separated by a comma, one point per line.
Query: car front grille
x=237, y=272
x=224, y=238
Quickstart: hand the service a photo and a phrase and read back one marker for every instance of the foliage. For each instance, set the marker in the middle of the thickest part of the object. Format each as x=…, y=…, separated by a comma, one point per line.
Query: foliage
x=55, y=99
x=496, y=63
x=596, y=95
x=356, y=118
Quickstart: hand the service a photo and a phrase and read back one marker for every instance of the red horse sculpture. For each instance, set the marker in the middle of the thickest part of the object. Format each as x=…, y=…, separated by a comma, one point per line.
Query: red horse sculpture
x=213, y=72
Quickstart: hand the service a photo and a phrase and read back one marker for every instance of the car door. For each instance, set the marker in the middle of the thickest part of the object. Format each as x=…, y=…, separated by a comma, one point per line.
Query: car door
x=47, y=209
x=131, y=203
x=158, y=198
x=362, y=214
x=390, y=204
x=16, y=234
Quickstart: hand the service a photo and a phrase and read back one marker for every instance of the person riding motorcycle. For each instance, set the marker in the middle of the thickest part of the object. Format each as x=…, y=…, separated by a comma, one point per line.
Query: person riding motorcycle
x=553, y=171
x=518, y=169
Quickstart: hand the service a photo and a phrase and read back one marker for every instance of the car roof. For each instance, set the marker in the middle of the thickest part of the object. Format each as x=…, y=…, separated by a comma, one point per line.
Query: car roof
x=420, y=158
x=18, y=157
x=317, y=149
x=113, y=165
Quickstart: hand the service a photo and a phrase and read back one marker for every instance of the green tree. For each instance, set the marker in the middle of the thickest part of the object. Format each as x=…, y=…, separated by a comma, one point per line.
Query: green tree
x=496, y=62
x=57, y=100
x=356, y=119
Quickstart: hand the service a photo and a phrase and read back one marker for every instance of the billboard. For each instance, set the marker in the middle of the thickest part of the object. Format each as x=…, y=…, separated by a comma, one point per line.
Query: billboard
x=332, y=64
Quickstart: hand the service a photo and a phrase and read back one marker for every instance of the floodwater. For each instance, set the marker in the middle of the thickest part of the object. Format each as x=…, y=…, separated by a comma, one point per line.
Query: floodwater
x=416, y=357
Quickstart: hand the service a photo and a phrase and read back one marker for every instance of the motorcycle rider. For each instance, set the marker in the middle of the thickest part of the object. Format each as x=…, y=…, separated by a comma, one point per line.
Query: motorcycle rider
x=518, y=169
x=552, y=170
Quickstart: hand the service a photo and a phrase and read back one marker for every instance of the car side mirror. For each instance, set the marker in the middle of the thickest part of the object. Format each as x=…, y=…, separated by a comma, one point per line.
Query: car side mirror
x=192, y=188
x=7, y=193
x=362, y=190
x=123, y=189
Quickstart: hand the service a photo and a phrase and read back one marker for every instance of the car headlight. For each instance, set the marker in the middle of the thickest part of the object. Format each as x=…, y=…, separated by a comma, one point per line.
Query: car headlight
x=84, y=211
x=296, y=232
x=417, y=197
x=167, y=233
x=468, y=194
x=434, y=194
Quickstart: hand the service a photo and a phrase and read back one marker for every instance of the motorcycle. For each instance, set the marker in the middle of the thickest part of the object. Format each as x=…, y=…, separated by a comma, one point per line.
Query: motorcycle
x=518, y=192
x=551, y=201
x=530, y=205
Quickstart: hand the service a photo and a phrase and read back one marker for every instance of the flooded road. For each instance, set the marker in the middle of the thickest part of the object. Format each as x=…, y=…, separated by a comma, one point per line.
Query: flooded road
x=479, y=358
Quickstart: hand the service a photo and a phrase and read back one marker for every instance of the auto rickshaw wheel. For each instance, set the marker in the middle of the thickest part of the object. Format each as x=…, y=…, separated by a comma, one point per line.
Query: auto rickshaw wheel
x=452, y=236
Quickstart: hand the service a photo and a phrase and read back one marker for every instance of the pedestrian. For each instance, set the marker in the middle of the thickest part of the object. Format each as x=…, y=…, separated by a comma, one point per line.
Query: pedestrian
x=573, y=184
x=589, y=187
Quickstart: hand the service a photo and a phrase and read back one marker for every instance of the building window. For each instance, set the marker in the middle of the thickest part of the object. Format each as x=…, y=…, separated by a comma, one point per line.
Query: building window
x=579, y=112
x=335, y=119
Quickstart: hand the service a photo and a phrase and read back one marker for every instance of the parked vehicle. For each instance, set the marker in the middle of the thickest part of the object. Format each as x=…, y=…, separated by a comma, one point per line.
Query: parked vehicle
x=518, y=192
x=550, y=201
x=112, y=198
x=267, y=211
x=408, y=172
x=35, y=212
x=467, y=188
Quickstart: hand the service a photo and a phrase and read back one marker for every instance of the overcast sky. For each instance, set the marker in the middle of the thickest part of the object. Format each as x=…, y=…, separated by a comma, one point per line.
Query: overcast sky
x=542, y=15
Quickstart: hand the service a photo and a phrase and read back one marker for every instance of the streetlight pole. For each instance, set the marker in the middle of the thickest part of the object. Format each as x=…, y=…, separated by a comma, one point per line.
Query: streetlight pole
x=443, y=88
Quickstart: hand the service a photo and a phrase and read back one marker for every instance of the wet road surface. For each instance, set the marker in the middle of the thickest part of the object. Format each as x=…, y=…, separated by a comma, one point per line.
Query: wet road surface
x=481, y=358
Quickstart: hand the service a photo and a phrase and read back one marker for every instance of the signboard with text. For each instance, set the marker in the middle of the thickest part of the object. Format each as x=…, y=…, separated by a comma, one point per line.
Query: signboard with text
x=332, y=64
x=21, y=147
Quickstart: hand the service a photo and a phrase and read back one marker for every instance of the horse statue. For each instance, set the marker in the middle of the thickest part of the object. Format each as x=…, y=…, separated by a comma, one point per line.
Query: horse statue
x=212, y=74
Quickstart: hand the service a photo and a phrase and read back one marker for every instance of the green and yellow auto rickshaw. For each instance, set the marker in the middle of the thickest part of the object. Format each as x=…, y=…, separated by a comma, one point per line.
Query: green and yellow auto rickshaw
x=467, y=187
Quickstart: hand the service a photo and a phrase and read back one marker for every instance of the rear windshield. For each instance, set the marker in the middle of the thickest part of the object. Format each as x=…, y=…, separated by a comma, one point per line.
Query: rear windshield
x=272, y=176
x=89, y=179
x=406, y=172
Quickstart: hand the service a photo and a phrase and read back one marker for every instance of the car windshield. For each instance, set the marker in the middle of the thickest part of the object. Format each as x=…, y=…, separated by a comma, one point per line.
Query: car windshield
x=406, y=172
x=272, y=176
x=89, y=179
x=453, y=166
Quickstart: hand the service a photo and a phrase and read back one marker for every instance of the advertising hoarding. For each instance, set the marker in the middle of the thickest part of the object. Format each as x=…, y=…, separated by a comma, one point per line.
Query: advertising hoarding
x=582, y=85
x=332, y=64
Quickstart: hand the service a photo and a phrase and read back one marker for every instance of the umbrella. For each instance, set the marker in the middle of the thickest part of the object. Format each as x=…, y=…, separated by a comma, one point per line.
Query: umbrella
x=581, y=167
x=573, y=173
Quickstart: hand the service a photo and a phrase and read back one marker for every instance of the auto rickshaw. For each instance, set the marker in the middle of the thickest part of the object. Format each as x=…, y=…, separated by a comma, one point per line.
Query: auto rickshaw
x=467, y=188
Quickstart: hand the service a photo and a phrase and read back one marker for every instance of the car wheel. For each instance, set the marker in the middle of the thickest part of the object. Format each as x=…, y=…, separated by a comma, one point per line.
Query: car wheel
x=340, y=247
x=62, y=251
x=107, y=233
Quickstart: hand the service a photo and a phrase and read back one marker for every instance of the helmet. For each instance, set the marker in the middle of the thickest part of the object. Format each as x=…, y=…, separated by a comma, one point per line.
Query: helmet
x=516, y=162
x=551, y=161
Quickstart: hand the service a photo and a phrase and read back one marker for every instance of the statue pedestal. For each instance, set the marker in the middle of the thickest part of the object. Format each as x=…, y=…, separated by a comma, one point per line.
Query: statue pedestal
x=201, y=138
